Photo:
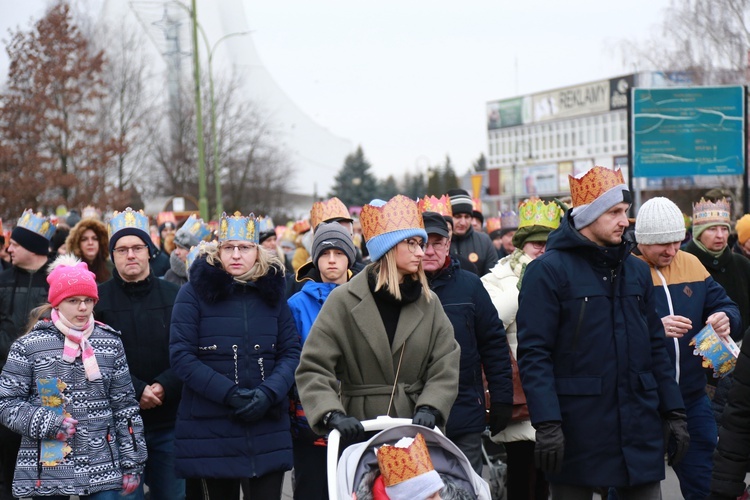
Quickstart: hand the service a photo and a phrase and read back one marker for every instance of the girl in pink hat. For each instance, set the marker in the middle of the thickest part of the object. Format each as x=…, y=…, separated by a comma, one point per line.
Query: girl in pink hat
x=66, y=389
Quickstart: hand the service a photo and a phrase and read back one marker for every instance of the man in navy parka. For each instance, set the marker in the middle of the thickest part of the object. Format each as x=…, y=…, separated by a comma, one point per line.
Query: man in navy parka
x=592, y=354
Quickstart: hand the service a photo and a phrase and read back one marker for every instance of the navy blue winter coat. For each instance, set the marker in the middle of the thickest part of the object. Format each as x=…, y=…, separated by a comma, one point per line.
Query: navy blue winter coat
x=592, y=355
x=481, y=335
x=226, y=334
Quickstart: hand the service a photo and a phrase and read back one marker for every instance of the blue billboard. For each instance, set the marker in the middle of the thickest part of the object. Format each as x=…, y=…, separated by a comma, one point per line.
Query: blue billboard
x=678, y=132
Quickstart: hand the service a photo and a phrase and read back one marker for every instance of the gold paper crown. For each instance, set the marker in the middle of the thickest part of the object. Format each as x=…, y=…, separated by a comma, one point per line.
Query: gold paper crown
x=476, y=204
x=493, y=224
x=301, y=226
x=708, y=212
x=323, y=211
x=400, y=464
x=440, y=205
x=593, y=184
x=400, y=212
x=126, y=219
x=535, y=212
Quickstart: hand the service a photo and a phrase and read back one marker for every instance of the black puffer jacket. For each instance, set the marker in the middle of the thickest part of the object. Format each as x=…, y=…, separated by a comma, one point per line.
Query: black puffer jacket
x=20, y=292
x=142, y=312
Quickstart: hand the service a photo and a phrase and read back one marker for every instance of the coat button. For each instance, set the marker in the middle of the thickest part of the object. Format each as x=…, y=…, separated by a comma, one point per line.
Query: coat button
x=715, y=262
x=257, y=346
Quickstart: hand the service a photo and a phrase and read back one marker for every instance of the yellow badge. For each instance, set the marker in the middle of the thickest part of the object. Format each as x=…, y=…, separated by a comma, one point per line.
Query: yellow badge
x=473, y=257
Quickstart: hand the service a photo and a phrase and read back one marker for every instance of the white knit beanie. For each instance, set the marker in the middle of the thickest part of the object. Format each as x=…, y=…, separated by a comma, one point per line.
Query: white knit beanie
x=659, y=221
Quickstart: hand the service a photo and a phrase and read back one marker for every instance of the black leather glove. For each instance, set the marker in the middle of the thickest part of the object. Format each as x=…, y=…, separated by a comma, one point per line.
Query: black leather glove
x=240, y=397
x=350, y=428
x=500, y=414
x=426, y=416
x=549, y=447
x=255, y=409
x=675, y=426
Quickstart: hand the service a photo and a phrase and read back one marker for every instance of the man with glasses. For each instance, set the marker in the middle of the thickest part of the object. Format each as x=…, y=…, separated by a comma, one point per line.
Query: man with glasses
x=481, y=335
x=139, y=305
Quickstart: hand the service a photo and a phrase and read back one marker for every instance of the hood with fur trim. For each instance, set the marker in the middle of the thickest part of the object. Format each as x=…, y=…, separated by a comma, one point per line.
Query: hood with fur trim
x=73, y=242
x=213, y=283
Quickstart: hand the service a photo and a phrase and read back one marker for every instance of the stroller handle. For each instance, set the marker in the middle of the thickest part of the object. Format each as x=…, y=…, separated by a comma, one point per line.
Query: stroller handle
x=334, y=438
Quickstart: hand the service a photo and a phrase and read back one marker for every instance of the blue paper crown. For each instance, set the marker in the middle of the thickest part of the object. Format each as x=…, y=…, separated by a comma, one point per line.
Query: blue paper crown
x=238, y=228
x=37, y=223
x=195, y=227
x=128, y=218
x=264, y=224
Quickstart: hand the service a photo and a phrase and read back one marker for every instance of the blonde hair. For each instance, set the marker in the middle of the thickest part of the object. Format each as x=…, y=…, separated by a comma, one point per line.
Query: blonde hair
x=264, y=262
x=386, y=271
x=37, y=314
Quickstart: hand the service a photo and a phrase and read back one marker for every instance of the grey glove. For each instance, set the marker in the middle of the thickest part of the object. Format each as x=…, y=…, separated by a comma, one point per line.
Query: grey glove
x=549, y=447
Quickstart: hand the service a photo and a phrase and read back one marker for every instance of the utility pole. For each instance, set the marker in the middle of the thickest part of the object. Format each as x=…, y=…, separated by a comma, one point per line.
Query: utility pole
x=202, y=200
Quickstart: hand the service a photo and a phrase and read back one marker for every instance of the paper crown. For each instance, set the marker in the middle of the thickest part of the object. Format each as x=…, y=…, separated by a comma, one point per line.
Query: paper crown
x=90, y=212
x=195, y=227
x=539, y=213
x=37, y=223
x=324, y=211
x=127, y=218
x=493, y=224
x=440, y=205
x=476, y=204
x=265, y=224
x=509, y=220
x=593, y=184
x=401, y=464
x=708, y=212
x=237, y=227
x=201, y=247
x=301, y=226
x=400, y=212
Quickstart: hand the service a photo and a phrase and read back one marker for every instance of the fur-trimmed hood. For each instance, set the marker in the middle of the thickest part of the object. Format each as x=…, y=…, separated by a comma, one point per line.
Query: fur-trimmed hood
x=73, y=241
x=213, y=283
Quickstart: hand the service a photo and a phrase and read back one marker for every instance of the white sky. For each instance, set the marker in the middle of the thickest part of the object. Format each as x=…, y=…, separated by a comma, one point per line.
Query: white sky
x=409, y=79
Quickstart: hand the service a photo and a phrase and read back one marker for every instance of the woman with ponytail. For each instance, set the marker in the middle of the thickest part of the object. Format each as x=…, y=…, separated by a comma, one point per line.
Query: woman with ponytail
x=66, y=389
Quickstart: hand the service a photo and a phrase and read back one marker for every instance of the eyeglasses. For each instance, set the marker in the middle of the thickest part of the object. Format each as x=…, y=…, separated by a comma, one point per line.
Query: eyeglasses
x=88, y=301
x=123, y=251
x=244, y=249
x=538, y=244
x=438, y=245
x=413, y=244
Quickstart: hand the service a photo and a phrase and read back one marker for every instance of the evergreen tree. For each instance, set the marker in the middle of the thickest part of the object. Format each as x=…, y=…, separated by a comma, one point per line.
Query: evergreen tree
x=480, y=164
x=355, y=185
x=414, y=186
x=450, y=180
x=388, y=188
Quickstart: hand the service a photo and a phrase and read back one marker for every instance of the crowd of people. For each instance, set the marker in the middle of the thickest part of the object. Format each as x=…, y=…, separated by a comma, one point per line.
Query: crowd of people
x=196, y=362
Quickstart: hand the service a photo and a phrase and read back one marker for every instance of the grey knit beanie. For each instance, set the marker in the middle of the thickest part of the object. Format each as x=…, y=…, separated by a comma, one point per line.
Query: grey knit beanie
x=659, y=221
x=330, y=235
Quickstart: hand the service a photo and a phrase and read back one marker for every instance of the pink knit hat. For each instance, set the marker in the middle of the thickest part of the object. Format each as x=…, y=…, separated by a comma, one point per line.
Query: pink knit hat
x=69, y=277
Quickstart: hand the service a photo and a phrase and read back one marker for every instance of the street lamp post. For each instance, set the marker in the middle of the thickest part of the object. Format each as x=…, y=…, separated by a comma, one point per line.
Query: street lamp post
x=214, y=138
x=202, y=200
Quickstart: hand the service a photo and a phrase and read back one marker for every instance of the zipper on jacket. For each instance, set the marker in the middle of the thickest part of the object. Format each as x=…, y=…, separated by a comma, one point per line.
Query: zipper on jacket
x=208, y=348
x=665, y=286
x=132, y=434
x=39, y=463
x=262, y=369
x=236, y=375
x=580, y=323
x=109, y=445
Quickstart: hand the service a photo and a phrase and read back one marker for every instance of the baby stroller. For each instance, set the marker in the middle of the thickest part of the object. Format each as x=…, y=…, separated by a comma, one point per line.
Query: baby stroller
x=346, y=472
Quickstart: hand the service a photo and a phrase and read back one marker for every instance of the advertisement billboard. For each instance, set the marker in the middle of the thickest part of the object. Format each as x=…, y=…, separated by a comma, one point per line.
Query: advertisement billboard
x=688, y=131
x=571, y=101
x=505, y=113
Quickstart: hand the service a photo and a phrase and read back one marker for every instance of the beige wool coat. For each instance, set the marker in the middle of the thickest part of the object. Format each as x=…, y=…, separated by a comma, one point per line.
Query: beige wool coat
x=348, y=343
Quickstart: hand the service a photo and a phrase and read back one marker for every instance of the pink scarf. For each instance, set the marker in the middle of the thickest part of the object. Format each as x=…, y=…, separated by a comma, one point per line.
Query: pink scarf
x=77, y=344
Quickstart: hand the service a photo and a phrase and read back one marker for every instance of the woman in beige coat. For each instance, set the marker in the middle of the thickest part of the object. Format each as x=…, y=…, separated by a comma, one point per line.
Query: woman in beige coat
x=536, y=220
x=382, y=344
